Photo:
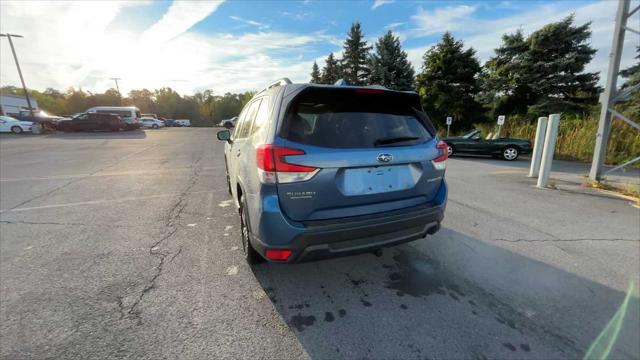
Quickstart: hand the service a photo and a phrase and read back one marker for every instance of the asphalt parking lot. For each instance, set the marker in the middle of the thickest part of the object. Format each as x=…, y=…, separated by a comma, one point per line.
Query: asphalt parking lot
x=126, y=245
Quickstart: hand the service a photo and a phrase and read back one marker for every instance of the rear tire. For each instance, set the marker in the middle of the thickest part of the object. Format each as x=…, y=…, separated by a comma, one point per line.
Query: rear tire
x=16, y=129
x=154, y=126
x=251, y=256
x=510, y=153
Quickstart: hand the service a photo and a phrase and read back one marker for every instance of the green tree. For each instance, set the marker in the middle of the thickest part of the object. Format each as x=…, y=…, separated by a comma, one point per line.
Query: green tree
x=544, y=73
x=448, y=83
x=315, y=74
x=389, y=64
x=331, y=71
x=504, y=85
x=354, y=62
x=632, y=73
x=142, y=99
x=111, y=97
x=166, y=100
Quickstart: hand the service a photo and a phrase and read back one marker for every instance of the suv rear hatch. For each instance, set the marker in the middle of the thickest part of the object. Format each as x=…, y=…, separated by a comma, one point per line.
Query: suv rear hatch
x=355, y=151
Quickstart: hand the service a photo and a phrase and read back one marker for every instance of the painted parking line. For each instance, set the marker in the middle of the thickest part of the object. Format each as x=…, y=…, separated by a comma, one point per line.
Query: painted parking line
x=119, y=173
x=103, y=202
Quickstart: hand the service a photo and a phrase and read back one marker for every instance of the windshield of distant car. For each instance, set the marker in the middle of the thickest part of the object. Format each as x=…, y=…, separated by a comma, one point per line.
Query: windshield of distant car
x=475, y=133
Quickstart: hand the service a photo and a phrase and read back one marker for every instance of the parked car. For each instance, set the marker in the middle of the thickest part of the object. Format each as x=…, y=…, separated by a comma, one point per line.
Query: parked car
x=129, y=114
x=340, y=170
x=46, y=121
x=229, y=123
x=170, y=122
x=151, y=123
x=182, y=123
x=93, y=122
x=9, y=124
x=473, y=143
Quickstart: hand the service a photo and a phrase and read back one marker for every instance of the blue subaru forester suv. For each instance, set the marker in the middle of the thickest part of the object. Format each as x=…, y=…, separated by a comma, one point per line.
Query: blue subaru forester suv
x=319, y=171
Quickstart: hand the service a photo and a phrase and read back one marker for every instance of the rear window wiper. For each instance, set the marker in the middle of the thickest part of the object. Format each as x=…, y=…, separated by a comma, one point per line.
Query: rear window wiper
x=393, y=140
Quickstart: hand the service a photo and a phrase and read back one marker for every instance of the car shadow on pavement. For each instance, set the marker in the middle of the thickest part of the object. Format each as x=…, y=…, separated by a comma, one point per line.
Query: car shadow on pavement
x=132, y=134
x=523, y=162
x=448, y=296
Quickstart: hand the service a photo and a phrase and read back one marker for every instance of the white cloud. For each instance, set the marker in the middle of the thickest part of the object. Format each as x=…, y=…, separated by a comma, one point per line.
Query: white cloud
x=485, y=35
x=250, y=22
x=78, y=46
x=394, y=25
x=449, y=18
x=378, y=3
x=180, y=17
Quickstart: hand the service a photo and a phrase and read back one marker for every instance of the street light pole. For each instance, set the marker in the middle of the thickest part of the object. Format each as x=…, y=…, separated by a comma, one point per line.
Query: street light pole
x=118, y=88
x=15, y=57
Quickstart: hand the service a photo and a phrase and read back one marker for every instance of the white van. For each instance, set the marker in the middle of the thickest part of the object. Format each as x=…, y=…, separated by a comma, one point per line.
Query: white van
x=129, y=114
x=183, y=122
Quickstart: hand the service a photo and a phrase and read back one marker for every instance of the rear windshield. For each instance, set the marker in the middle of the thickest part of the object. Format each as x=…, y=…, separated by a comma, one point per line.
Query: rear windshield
x=349, y=118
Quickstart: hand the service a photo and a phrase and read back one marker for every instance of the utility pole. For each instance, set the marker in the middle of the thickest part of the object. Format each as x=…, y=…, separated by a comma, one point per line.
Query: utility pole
x=118, y=88
x=15, y=57
x=607, y=97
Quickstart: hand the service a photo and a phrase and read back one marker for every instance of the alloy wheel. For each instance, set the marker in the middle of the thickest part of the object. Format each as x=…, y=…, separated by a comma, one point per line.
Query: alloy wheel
x=510, y=153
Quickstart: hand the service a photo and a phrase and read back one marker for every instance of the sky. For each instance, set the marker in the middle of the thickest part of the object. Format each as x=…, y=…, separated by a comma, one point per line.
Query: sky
x=244, y=45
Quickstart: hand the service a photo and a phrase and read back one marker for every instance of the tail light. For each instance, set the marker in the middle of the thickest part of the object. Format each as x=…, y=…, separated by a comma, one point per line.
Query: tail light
x=273, y=168
x=278, y=255
x=440, y=161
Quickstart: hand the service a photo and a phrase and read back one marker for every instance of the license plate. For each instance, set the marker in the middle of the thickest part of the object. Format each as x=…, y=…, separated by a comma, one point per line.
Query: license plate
x=379, y=179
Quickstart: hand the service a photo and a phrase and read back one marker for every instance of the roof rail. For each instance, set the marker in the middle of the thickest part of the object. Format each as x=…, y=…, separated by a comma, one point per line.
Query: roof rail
x=279, y=82
x=380, y=87
x=341, y=82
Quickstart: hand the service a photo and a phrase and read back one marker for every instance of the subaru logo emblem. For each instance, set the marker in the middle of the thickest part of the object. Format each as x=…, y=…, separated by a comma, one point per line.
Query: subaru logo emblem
x=385, y=158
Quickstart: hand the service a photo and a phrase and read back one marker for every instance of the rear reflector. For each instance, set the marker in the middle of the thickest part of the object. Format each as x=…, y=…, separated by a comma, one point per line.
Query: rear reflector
x=273, y=168
x=440, y=161
x=278, y=255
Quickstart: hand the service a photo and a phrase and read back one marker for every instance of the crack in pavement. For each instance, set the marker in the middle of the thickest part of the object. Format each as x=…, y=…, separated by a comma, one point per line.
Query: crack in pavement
x=172, y=222
x=498, y=216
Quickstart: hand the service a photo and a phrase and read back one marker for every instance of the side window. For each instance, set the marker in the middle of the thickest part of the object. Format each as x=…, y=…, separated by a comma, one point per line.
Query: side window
x=261, y=116
x=245, y=127
x=241, y=117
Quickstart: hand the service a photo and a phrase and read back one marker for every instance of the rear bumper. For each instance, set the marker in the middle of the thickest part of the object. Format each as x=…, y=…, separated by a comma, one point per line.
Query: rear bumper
x=348, y=236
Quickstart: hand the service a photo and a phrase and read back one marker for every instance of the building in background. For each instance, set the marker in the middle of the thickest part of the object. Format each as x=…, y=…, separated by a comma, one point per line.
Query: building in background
x=11, y=105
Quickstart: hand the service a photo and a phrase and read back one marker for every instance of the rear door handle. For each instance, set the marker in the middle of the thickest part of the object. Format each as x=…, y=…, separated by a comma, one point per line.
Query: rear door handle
x=238, y=153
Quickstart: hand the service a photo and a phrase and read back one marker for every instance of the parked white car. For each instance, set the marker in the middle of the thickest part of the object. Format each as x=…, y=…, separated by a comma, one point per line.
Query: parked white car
x=151, y=123
x=9, y=124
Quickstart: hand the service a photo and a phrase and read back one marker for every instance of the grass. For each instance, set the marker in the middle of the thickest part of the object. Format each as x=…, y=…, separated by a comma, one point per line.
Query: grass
x=628, y=190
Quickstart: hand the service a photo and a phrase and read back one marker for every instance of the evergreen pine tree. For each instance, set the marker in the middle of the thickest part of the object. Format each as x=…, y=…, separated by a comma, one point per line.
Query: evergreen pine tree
x=632, y=73
x=389, y=65
x=544, y=73
x=354, y=62
x=331, y=70
x=315, y=74
x=448, y=83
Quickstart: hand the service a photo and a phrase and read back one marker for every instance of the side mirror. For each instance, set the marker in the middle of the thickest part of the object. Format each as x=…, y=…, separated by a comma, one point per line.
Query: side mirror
x=224, y=135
